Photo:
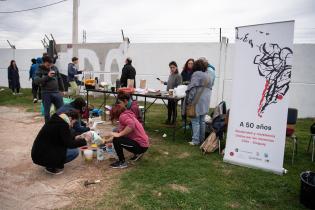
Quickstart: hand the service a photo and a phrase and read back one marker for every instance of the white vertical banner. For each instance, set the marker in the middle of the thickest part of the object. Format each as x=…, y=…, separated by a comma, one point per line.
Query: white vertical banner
x=259, y=106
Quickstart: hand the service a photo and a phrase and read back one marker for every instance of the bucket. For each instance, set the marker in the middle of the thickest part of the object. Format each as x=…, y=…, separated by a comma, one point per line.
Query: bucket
x=82, y=150
x=307, y=194
x=88, y=154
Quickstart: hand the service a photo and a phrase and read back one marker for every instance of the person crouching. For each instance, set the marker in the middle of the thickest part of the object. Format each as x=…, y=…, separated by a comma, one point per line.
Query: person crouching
x=55, y=145
x=130, y=135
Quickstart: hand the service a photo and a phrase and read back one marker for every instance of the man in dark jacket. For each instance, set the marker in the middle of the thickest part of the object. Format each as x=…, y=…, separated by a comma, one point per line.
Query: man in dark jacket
x=78, y=105
x=128, y=72
x=73, y=72
x=48, y=77
x=55, y=145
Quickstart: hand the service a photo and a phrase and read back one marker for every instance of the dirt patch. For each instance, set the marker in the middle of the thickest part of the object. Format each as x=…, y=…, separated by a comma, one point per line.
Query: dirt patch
x=179, y=188
x=234, y=205
x=183, y=155
x=24, y=185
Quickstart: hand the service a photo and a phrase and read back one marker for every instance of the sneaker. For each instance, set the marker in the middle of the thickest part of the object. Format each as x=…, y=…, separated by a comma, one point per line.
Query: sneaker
x=54, y=171
x=192, y=143
x=19, y=94
x=39, y=100
x=35, y=100
x=13, y=93
x=136, y=157
x=119, y=164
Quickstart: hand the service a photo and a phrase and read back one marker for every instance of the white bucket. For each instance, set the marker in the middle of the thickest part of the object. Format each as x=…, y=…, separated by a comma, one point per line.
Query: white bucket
x=88, y=154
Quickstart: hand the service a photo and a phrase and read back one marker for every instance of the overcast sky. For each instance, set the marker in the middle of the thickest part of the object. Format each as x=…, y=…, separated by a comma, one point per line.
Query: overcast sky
x=148, y=20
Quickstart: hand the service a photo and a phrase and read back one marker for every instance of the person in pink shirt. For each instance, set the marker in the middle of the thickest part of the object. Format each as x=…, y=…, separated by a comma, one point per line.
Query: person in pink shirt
x=130, y=135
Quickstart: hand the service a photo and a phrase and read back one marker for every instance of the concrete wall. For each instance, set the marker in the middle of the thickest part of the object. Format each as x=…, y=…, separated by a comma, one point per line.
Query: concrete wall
x=23, y=60
x=151, y=61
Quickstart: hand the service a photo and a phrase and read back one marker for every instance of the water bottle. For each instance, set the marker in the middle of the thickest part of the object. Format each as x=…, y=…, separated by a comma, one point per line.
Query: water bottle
x=100, y=154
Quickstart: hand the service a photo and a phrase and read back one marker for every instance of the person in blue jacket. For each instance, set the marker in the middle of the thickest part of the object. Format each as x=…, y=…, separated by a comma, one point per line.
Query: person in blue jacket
x=35, y=88
x=73, y=72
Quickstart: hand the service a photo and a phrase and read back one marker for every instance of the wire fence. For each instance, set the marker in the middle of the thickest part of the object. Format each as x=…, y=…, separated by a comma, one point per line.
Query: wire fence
x=301, y=35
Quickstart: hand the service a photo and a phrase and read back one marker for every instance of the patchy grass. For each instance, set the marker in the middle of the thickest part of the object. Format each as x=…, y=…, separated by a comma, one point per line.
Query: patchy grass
x=174, y=175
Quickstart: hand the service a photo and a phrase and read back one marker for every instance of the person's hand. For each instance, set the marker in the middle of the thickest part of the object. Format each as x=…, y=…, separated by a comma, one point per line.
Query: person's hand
x=162, y=82
x=51, y=73
x=115, y=134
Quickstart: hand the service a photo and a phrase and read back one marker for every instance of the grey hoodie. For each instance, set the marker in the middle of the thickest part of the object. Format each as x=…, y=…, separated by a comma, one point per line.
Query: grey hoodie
x=49, y=84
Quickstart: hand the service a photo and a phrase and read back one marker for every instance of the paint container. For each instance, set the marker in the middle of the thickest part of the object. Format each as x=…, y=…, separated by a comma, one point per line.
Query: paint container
x=88, y=154
x=82, y=150
x=94, y=149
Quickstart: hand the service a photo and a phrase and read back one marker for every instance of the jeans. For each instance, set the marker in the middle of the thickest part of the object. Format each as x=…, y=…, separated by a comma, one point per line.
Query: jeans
x=171, y=111
x=73, y=88
x=71, y=154
x=54, y=98
x=199, y=129
x=130, y=145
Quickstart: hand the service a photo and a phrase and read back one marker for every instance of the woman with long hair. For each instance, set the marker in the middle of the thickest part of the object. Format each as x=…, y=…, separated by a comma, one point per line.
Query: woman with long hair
x=187, y=71
x=130, y=135
x=173, y=81
x=14, y=78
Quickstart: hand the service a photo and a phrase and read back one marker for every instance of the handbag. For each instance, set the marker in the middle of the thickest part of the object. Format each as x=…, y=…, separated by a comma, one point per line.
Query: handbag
x=191, y=108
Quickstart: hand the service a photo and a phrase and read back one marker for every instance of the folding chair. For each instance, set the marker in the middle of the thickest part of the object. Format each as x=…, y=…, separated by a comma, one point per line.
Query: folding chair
x=290, y=131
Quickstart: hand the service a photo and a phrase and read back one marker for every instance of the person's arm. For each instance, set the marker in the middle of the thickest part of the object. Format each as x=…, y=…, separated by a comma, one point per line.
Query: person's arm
x=124, y=132
x=31, y=73
x=69, y=140
x=123, y=78
x=178, y=81
x=40, y=79
x=60, y=81
x=71, y=71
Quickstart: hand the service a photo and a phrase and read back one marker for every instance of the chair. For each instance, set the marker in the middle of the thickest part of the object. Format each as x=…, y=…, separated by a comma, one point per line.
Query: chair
x=312, y=138
x=218, y=123
x=290, y=131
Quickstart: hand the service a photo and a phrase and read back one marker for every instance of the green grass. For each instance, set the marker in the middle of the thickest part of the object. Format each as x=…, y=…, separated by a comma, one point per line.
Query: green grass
x=174, y=175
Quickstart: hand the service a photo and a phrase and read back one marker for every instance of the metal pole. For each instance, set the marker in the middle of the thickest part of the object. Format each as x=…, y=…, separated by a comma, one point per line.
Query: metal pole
x=75, y=21
x=220, y=35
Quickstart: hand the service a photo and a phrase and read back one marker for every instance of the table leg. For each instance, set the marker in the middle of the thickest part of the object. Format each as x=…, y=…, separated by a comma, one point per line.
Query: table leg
x=175, y=121
x=145, y=110
x=87, y=105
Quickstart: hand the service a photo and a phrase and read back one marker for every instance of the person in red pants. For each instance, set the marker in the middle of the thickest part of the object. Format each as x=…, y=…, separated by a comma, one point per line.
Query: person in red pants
x=130, y=135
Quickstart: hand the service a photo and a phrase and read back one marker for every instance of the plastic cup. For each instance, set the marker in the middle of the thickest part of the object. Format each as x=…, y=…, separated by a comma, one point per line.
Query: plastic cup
x=88, y=154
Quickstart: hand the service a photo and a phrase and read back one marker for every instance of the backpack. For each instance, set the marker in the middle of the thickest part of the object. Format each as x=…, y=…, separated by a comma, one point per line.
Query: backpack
x=210, y=144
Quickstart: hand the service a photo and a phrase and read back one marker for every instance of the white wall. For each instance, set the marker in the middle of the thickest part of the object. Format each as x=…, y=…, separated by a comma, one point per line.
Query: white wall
x=23, y=61
x=151, y=61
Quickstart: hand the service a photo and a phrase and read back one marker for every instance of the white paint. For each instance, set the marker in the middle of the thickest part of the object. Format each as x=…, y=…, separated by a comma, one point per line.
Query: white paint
x=151, y=61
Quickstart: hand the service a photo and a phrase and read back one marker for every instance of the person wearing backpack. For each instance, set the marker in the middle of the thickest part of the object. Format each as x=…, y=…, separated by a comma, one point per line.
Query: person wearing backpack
x=198, y=95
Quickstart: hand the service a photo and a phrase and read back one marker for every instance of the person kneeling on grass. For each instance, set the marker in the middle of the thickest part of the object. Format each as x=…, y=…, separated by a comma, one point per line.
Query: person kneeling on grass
x=55, y=145
x=130, y=135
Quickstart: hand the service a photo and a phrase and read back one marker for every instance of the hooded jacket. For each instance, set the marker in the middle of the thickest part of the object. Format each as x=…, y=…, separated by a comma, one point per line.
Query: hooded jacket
x=128, y=118
x=34, y=68
x=128, y=72
x=50, y=146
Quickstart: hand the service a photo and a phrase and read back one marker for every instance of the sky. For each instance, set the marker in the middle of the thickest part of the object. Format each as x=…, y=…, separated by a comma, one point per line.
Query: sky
x=148, y=20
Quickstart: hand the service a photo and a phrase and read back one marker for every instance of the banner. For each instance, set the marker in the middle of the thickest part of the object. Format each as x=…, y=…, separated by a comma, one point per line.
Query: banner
x=261, y=81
